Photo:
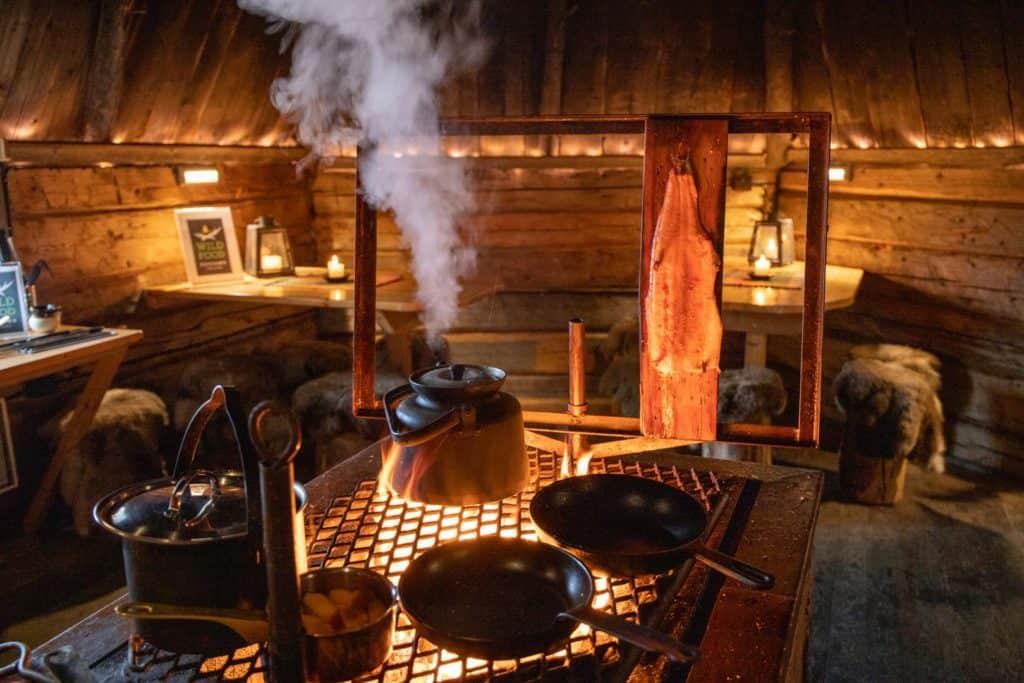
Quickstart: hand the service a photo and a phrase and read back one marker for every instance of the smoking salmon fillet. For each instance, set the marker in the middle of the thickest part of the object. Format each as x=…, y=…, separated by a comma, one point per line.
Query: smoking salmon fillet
x=683, y=330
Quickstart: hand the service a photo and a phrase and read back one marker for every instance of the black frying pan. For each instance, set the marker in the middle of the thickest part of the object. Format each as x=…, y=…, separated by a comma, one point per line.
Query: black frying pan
x=498, y=598
x=626, y=526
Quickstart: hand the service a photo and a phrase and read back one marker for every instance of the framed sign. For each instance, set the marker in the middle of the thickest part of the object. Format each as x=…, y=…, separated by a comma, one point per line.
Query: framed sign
x=8, y=466
x=13, y=306
x=209, y=244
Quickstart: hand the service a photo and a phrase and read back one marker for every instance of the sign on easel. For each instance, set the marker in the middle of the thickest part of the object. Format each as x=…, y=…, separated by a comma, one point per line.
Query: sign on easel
x=209, y=244
x=13, y=306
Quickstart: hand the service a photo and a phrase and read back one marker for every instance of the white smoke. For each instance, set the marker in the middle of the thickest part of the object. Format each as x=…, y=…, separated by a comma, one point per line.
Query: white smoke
x=369, y=71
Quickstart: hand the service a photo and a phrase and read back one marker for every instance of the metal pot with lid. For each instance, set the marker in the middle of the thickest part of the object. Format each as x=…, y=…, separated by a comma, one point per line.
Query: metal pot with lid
x=457, y=439
x=195, y=539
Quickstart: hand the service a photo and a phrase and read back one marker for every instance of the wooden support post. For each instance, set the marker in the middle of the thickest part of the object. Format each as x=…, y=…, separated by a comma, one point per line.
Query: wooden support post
x=85, y=409
x=106, y=74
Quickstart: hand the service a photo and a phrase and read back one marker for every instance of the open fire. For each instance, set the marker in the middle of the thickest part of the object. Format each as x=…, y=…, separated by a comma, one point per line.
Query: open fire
x=377, y=529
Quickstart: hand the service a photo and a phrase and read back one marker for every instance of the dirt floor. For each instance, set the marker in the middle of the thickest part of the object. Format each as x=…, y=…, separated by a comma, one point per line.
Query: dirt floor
x=931, y=589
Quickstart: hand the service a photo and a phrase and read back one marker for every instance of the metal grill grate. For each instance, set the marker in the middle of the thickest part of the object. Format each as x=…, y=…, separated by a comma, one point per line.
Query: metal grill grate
x=371, y=528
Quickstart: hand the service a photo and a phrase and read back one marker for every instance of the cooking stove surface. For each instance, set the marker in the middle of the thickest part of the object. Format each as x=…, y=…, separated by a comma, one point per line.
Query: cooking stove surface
x=371, y=528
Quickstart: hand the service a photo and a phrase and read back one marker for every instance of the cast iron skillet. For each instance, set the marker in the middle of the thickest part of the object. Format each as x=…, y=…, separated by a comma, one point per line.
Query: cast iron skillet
x=622, y=525
x=498, y=598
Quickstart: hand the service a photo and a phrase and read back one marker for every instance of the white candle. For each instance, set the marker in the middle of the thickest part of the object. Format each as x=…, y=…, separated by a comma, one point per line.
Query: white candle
x=762, y=266
x=335, y=268
x=271, y=262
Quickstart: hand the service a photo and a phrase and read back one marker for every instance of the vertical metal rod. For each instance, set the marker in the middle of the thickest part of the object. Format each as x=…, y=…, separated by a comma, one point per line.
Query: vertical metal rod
x=576, y=444
x=365, y=319
x=577, y=367
x=277, y=488
x=284, y=611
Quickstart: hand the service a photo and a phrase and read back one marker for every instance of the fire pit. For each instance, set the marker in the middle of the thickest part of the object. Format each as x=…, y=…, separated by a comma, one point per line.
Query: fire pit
x=373, y=528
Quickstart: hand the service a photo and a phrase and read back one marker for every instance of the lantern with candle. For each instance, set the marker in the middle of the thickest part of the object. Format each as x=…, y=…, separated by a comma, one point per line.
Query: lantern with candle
x=773, y=240
x=268, y=252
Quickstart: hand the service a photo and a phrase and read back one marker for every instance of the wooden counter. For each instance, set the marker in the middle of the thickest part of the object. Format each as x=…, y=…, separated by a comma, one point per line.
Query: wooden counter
x=105, y=354
x=743, y=634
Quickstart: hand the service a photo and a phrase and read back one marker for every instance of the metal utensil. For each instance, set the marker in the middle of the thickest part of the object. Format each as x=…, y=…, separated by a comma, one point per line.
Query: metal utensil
x=277, y=480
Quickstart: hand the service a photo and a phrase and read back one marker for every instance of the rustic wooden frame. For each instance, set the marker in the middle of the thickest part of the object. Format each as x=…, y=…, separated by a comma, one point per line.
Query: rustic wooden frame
x=816, y=125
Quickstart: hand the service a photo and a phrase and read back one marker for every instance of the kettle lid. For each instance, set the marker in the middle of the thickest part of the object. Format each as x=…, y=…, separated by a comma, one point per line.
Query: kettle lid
x=457, y=380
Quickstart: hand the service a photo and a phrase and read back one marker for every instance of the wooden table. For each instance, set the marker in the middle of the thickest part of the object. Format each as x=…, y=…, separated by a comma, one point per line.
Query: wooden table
x=104, y=354
x=775, y=306
x=397, y=307
x=744, y=634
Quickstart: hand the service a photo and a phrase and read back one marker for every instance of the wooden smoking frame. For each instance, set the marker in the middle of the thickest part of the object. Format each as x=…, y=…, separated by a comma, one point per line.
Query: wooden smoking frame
x=703, y=140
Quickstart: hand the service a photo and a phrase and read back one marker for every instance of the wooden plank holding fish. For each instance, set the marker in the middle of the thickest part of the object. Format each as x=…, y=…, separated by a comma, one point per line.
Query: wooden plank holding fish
x=680, y=281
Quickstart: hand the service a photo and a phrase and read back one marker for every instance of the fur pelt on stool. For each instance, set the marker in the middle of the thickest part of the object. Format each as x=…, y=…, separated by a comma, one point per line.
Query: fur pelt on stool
x=745, y=396
x=303, y=360
x=324, y=408
x=255, y=378
x=122, y=446
x=888, y=395
x=750, y=395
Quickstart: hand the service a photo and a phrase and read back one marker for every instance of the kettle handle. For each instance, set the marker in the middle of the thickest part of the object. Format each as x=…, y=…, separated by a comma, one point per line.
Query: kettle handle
x=414, y=437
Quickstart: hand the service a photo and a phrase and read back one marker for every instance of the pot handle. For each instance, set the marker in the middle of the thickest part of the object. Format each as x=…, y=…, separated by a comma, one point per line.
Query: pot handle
x=183, y=490
x=228, y=398
x=197, y=425
x=414, y=437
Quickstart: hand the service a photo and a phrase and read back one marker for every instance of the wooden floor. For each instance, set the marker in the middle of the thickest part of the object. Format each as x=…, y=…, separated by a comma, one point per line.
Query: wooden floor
x=929, y=590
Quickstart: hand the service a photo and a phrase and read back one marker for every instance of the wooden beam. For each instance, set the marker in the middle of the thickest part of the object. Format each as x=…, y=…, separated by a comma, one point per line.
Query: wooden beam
x=26, y=153
x=106, y=72
x=1010, y=158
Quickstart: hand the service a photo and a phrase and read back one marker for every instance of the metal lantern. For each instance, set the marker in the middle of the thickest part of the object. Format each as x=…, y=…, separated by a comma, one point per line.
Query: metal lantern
x=773, y=240
x=268, y=253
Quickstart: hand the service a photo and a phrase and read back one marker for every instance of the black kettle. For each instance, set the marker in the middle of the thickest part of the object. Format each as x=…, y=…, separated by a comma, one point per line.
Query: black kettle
x=457, y=439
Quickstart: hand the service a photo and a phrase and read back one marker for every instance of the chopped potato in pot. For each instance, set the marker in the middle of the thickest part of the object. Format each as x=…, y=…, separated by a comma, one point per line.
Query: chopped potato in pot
x=340, y=610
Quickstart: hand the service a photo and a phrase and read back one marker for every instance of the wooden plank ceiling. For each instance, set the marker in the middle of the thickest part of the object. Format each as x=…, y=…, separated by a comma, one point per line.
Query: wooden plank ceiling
x=914, y=74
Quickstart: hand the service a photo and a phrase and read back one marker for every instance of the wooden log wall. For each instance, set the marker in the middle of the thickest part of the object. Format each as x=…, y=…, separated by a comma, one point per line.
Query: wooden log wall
x=938, y=234
x=107, y=233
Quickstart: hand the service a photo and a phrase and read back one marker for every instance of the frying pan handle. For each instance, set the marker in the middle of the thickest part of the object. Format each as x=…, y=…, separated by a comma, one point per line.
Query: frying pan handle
x=250, y=625
x=645, y=638
x=731, y=567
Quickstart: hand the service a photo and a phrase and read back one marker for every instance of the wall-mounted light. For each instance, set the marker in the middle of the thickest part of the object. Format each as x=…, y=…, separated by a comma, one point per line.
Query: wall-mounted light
x=840, y=173
x=198, y=176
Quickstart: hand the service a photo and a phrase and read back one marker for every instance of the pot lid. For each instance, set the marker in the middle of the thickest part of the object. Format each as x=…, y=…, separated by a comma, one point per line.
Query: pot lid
x=202, y=506
x=458, y=379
